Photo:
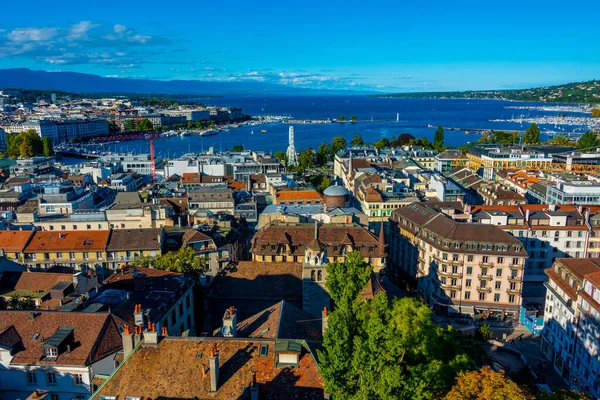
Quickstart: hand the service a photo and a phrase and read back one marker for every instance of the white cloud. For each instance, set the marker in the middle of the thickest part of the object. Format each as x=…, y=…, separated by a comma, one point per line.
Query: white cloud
x=21, y=35
x=118, y=28
x=79, y=31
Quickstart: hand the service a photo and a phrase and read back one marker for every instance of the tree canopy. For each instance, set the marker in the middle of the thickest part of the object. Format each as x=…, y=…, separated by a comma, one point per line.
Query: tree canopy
x=338, y=143
x=374, y=350
x=48, y=149
x=532, y=135
x=323, y=154
x=144, y=125
x=306, y=158
x=24, y=144
x=382, y=144
x=237, y=148
x=357, y=140
x=438, y=139
x=596, y=113
x=485, y=384
x=588, y=140
x=184, y=261
x=560, y=141
x=280, y=155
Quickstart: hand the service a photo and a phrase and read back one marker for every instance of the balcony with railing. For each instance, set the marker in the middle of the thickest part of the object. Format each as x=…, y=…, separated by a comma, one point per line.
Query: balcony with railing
x=450, y=286
x=485, y=276
x=484, y=289
x=486, y=264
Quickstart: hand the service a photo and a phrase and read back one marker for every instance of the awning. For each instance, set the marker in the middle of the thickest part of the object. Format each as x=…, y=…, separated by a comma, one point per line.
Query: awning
x=467, y=310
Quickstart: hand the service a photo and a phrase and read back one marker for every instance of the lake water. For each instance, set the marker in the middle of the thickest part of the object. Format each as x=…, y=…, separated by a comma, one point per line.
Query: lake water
x=415, y=116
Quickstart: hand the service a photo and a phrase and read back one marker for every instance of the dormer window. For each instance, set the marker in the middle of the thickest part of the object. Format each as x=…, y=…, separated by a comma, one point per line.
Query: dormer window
x=287, y=354
x=51, y=352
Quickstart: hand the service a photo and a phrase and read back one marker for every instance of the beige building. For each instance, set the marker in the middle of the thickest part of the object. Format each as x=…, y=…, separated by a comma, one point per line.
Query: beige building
x=458, y=267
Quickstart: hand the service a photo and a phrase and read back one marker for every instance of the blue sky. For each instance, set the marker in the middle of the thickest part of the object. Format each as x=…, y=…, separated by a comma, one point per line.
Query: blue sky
x=379, y=45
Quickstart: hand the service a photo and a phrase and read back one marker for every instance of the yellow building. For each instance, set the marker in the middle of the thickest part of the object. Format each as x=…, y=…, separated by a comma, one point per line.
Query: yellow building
x=81, y=250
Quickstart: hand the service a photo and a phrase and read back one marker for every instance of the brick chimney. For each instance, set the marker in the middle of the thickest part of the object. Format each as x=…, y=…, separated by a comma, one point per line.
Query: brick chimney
x=253, y=387
x=229, y=328
x=324, y=319
x=213, y=364
x=127, y=337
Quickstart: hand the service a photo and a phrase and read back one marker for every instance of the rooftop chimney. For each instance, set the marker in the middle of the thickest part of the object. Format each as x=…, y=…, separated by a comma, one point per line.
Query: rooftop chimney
x=213, y=364
x=229, y=328
x=324, y=319
x=127, y=337
x=138, y=315
x=151, y=336
x=253, y=387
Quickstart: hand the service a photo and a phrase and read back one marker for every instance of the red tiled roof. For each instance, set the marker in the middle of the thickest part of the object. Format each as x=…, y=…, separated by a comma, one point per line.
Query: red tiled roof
x=14, y=241
x=174, y=370
x=40, y=281
x=332, y=236
x=44, y=241
x=293, y=195
x=95, y=336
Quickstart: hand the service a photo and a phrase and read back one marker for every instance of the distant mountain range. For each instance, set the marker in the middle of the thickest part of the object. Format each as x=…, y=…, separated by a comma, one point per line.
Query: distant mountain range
x=578, y=92
x=76, y=82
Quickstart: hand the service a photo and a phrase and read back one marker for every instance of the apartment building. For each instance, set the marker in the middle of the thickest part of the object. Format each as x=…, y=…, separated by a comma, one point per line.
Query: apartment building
x=571, y=322
x=128, y=245
x=81, y=250
x=457, y=267
x=13, y=243
x=546, y=231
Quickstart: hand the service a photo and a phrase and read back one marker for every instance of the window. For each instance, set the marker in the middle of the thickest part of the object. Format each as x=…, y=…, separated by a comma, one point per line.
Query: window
x=482, y=296
x=511, y=298
x=468, y=283
x=515, y=261
x=500, y=260
x=51, y=378
x=498, y=285
x=51, y=352
x=72, y=256
x=99, y=255
x=453, y=294
x=485, y=259
x=264, y=350
x=467, y=295
x=77, y=379
x=455, y=257
x=31, y=378
x=86, y=255
x=496, y=297
x=59, y=255
x=470, y=258
x=469, y=270
x=499, y=272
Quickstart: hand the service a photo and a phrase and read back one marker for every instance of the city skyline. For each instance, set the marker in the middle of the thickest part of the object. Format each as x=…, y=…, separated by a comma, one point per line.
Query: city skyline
x=388, y=48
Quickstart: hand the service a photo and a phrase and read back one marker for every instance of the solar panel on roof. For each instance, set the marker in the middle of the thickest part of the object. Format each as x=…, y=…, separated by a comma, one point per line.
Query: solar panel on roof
x=61, y=285
x=59, y=336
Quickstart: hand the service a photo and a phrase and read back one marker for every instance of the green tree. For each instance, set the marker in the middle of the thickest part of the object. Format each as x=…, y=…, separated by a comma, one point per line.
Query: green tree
x=237, y=148
x=532, y=135
x=185, y=261
x=342, y=119
x=588, y=140
x=374, y=350
x=596, y=113
x=485, y=384
x=402, y=140
x=144, y=125
x=306, y=158
x=560, y=141
x=47, y=145
x=339, y=143
x=357, y=140
x=280, y=155
x=438, y=139
x=26, y=148
x=382, y=144
x=323, y=154
x=129, y=125
x=484, y=333
x=353, y=118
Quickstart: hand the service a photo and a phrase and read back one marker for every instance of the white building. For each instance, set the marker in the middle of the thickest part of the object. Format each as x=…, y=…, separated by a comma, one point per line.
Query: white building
x=57, y=352
x=571, y=326
x=574, y=192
